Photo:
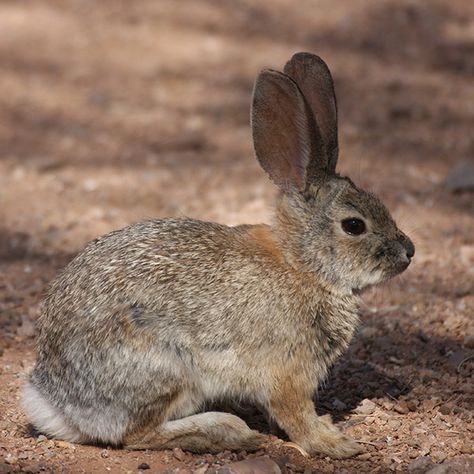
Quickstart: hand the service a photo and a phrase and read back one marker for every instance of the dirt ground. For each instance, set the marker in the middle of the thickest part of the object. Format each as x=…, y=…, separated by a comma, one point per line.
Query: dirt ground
x=115, y=111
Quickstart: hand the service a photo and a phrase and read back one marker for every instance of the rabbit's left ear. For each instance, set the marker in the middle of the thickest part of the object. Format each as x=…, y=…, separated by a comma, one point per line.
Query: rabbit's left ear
x=314, y=80
x=286, y=139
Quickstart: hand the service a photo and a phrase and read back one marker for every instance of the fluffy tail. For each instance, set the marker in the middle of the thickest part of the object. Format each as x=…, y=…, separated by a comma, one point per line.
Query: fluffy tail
x=48, y=419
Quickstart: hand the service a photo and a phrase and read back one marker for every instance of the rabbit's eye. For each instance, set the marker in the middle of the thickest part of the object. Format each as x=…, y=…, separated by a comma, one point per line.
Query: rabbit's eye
x=353, y=226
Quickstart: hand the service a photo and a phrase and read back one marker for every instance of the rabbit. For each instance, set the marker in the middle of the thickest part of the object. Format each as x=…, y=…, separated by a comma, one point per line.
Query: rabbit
x=149, y=324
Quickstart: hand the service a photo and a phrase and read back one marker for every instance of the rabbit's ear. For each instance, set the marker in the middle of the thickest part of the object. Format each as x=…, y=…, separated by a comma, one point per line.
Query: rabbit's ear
x=314, y=79
x=286, y=139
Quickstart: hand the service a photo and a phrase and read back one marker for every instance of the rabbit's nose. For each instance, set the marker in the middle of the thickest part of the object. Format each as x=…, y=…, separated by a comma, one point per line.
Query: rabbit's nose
x=407, y=245
x=410, y=249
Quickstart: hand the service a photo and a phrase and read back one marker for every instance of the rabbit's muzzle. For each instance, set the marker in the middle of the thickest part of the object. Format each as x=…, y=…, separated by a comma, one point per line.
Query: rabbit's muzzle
x=402, y=251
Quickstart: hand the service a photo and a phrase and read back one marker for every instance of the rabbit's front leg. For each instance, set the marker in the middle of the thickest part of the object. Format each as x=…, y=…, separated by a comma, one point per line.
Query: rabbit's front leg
x=294, y=412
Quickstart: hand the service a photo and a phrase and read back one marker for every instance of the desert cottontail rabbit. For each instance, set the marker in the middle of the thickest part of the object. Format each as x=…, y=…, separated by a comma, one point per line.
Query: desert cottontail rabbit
x=149, y=323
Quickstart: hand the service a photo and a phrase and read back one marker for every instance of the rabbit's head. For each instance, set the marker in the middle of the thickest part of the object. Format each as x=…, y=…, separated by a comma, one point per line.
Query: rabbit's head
x=324, y=222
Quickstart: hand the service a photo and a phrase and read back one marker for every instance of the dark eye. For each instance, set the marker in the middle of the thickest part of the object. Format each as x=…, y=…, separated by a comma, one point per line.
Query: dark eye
x=353, y=226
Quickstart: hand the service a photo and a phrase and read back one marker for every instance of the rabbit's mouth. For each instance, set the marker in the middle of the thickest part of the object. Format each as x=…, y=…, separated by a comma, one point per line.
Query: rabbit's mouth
x=399, y=267
x=383, y=272
x=382, y=277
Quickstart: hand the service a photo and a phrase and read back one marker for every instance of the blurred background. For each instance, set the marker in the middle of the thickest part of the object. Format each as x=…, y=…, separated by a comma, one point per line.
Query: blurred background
x=116, y=111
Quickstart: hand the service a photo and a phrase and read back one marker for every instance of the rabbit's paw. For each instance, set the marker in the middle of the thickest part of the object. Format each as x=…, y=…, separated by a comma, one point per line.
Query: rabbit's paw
x=253, y=441
x=234, y=434
x=340, y=446
x=329, y=440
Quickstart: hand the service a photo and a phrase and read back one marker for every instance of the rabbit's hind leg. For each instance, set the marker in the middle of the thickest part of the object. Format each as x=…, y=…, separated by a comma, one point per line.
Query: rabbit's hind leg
x=209, y=432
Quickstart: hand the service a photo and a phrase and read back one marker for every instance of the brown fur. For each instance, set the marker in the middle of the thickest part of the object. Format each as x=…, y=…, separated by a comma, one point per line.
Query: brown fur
x=264, y=240
x=149, y=324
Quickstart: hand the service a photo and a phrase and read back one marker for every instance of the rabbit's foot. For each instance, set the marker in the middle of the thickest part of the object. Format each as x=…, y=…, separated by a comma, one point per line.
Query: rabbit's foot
x=210, y=432
x=329, y=440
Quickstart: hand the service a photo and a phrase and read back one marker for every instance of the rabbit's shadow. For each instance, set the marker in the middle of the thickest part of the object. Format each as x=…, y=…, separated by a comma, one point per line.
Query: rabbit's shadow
x=352, y=381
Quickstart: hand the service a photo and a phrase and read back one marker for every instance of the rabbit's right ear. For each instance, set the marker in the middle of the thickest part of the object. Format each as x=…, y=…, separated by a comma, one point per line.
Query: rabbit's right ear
x=314, y=79
x=286, y=139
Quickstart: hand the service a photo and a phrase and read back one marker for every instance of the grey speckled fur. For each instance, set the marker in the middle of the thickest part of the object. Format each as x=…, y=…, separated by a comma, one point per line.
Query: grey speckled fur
x=149, y=323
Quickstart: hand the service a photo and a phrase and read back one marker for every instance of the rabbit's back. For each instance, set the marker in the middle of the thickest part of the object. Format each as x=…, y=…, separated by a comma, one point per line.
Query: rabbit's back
x=169, y=273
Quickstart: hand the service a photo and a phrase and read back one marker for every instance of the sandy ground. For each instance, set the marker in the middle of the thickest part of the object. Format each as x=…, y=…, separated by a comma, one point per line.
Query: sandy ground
x=112, y=112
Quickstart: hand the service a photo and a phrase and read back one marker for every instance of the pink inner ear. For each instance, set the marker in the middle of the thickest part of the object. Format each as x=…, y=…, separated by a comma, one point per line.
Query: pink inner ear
x=282, y=130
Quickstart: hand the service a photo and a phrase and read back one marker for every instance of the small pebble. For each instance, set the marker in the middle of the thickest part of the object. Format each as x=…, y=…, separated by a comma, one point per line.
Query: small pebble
x=144, y=466
x=437, y=455
x=469, y=341
x=179, y=454
x=445, y=409
x=62, y=444
x=412, y=406
x=387, y=405
x=261, y=465
x=461, y=177
x=365, y=407
x=420, y=465
x=466, y=449
x=394, y=424
x=402, y=407
x=11, y=459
